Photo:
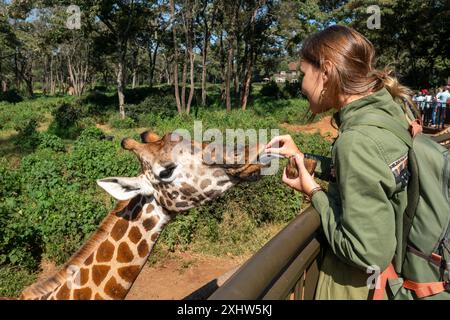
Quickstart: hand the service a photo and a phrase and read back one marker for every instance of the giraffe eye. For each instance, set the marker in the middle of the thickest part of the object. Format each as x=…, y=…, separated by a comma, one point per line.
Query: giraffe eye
x=167, y=172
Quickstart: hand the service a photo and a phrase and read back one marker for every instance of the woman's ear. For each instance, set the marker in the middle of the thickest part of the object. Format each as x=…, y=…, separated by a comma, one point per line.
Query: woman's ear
x=326, y=72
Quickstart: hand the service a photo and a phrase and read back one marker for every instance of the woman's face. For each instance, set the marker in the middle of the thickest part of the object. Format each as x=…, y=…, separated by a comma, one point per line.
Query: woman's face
x=312, y=85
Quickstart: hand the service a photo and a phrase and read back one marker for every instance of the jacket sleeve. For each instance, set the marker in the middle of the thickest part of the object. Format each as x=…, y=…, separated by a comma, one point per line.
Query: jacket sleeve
x=360, y=224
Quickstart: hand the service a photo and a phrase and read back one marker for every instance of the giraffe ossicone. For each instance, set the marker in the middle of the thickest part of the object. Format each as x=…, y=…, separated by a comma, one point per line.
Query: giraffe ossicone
x=173, y=178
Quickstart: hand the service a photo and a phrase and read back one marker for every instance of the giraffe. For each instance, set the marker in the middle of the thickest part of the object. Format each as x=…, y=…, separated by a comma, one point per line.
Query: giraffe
x=176, y=175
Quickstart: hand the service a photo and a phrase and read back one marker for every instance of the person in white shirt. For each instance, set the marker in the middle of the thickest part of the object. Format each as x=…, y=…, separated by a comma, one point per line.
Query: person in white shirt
x=442, y=98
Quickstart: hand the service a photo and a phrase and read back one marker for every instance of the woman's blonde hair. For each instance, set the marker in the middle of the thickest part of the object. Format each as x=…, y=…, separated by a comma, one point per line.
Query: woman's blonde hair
x=352, y=73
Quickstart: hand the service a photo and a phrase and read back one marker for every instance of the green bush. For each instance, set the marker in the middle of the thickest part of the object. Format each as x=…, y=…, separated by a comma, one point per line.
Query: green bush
x=13, y=280
x=11, y=96
x=51, y=141
x=163, y=106
x=92, y=159
x=292, y=90
x=100, y=100
x=65, y=118
x=27, y=137
x=272, y=90
x=20, y=243
x=116, y=121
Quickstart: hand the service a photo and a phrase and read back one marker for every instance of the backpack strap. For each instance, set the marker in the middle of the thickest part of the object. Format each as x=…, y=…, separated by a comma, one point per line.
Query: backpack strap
x=413, y=192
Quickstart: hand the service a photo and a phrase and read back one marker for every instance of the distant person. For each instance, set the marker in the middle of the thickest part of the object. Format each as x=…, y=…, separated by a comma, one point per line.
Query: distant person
x=362, y=212
x=442, y=98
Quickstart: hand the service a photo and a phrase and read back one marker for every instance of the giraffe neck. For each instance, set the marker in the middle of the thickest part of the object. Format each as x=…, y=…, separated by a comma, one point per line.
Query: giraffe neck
x=110, y=261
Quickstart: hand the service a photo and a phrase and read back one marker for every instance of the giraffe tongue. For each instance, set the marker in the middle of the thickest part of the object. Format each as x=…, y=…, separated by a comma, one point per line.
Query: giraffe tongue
x=266, y=158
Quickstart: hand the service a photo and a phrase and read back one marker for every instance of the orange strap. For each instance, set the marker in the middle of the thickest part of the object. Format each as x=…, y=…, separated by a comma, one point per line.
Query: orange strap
x=380, y=287
x=422, y=290
x=425, y=289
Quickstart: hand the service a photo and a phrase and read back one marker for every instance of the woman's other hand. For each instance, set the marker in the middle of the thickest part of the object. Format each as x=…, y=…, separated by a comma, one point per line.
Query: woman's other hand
x=305, y=181
x=282, y=145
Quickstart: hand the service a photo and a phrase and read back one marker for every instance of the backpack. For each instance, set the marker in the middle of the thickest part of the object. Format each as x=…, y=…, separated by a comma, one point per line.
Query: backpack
x=422, y=267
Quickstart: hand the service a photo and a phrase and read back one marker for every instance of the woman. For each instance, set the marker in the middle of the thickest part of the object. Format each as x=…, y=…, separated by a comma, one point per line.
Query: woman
x=362, y=210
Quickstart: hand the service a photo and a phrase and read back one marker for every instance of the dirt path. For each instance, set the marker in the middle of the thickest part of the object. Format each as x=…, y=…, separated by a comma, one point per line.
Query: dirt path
x=174, y=278
x=322, y=126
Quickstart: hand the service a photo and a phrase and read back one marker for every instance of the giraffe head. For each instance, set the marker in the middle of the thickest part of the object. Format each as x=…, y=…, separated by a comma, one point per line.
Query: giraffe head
x=182, y=174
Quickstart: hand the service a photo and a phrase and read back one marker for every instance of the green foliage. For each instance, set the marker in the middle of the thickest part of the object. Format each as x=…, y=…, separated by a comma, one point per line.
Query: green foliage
x=163, y=106
x=292, y=90
x=66, y=120
x=51, y=203
x=290, y=111
x=272, y=90
x=27, y=137
x=117, y=122
x=51, y=141
x=11, y=96
x=13, y=280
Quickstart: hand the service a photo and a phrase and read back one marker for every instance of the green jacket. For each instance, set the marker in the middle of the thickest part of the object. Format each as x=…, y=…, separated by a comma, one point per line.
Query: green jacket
x=363, y=208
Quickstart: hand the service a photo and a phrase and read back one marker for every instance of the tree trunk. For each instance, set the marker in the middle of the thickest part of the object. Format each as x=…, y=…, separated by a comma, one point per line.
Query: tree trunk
x=228, y=77
x=190, y=50
x=222, y=68
x=205, y=48
x=52, y=82
x=153, y=63
x=134, y=66
x=183, y=82
x=204, y=55
x=175, y=47
x=121, y=83
x=247, y=83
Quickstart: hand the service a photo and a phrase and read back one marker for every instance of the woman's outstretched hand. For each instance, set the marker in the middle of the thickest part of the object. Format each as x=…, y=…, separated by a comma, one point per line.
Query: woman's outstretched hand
x=285, y=146
x=282, y=145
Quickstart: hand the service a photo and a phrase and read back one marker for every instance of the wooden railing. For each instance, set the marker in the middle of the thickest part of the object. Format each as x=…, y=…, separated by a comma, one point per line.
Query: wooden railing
x=285, y=268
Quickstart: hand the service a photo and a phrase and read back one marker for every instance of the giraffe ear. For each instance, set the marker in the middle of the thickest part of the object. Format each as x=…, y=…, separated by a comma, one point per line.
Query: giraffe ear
x=123, y=188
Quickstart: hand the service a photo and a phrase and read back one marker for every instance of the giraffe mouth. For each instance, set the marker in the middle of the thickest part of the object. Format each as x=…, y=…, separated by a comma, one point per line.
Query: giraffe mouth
x=255, y=161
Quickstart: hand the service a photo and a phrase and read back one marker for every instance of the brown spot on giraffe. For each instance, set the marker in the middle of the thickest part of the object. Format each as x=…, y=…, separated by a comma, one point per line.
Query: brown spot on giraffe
x=124, y=253
x=161, y=201
x=218, y=173
x=63, y=293
x=84, y=276
x=222, y=183
x=150, y=223
x=89, y=260
x=82, y=294
x=150, y=208
x=181, y=204
x=154, y=236
x=212, y=193
x=205, y=183
x=119, y=229
x=129, y=273
x=143, y=248
x=187, y=189
x=114, y=289
x=99, y=273
x=98, y=297
x=105, y=252
x=135, y=235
